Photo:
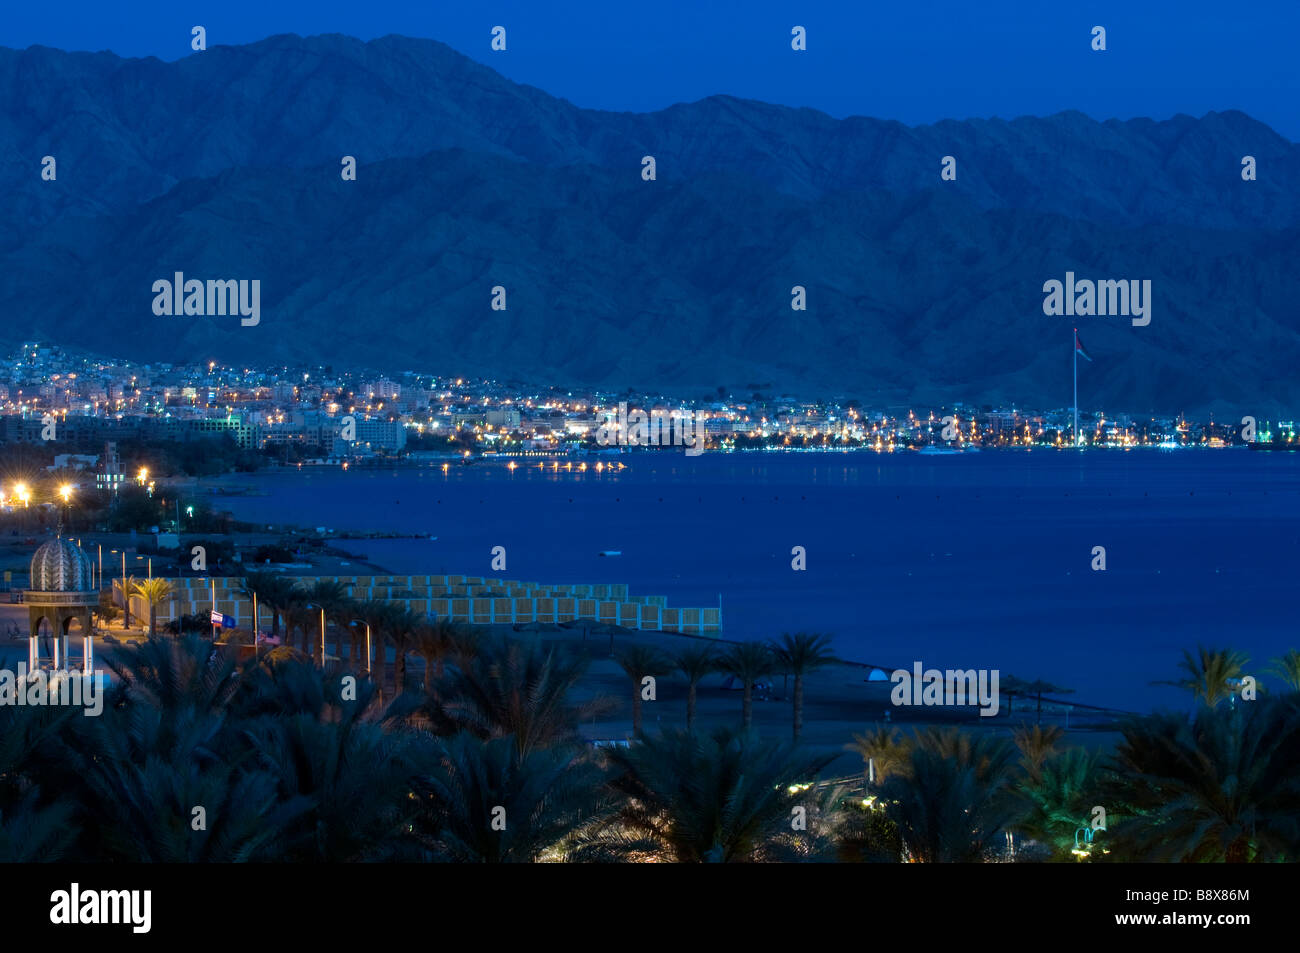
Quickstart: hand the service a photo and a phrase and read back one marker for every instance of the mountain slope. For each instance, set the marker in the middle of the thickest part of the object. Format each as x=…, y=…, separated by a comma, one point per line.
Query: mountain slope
x=628, y=283
x=226, y=165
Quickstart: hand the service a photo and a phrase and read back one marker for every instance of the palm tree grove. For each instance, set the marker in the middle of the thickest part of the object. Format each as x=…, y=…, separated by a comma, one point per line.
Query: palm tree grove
x=466, y=746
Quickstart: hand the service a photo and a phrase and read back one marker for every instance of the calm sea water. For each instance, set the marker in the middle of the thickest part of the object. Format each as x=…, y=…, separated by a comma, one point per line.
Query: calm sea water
x=979, y=560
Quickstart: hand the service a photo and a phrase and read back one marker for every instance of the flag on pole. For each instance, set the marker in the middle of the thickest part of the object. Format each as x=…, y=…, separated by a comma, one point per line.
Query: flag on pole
x=1078, y=347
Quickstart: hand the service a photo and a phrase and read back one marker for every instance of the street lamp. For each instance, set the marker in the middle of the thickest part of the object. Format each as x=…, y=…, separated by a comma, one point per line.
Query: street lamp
x=322, y=631
x=65, y=492
x=255, y=623
x=367, y=625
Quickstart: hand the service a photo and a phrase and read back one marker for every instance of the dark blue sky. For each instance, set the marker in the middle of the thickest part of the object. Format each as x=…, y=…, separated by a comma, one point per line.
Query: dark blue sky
x=915, y=61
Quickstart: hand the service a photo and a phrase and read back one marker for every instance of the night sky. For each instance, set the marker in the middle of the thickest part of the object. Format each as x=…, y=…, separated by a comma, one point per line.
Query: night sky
x=917, y=62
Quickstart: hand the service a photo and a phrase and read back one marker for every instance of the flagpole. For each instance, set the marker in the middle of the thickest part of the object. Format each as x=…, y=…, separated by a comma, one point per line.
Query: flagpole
x=1075, y=349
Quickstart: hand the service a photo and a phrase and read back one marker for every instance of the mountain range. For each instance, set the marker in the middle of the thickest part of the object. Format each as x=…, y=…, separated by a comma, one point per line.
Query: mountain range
x=226, y=165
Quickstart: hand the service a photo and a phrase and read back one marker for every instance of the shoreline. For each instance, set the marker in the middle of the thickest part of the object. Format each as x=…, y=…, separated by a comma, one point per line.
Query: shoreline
x=839, y=702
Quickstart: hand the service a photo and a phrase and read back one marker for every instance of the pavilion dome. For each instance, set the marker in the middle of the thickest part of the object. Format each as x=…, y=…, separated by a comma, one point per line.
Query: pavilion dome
x=60, y=566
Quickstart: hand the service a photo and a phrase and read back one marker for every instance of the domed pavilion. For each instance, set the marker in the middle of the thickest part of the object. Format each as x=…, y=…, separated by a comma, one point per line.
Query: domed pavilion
x=62, y=588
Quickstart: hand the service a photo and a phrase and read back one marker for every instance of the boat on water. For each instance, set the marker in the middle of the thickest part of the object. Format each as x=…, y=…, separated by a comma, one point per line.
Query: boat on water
x=610, y=552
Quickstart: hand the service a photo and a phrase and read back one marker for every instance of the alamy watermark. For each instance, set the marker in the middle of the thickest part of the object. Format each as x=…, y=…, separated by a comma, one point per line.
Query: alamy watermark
x=1126, y=298
x=212, y=298
x=659, y=428
x=932, y=686
x=74, y=906
x=51, y=688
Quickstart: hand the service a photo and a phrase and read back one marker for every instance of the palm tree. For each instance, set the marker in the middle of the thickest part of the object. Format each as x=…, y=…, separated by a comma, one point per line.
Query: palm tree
x=883, y=752
x=153, y=591
x=435, y=642
x=867, y=835
x=724, y=797
x=747, y=662
x=174, y=674
x=355, y=779
x=375, y=615
x=127, y=588
x=334, y=599
x=30, y=749
x=274, y=592
x=484, y=801
x=641, y=662
x=1222, y=788
x=145, y=770
x=401, y=630
x=800, y=654
x=695, y=662
x=106, y=611
x=519, y=689
x=1059, y=799
x=298, y=618
x=257, y=586
x=284, y=683
x=1036, y=747
x=465, y=643
x=952, y=798
x=30, y=833
x=1287, y=668
x=1208, y=673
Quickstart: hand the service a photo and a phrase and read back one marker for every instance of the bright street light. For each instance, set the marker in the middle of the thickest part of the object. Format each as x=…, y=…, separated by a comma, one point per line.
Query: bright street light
x=322, y=631
x=367, y=625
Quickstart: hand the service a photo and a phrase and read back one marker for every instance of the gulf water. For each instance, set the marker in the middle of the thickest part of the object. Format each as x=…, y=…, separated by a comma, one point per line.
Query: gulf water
x=974, y=560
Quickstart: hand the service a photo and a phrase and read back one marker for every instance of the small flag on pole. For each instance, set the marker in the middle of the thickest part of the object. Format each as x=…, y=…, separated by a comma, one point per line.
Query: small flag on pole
x=1078, y=347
